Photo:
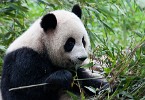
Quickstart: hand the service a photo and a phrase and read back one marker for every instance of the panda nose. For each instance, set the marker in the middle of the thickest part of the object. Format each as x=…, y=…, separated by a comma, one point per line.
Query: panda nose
x=82, y=58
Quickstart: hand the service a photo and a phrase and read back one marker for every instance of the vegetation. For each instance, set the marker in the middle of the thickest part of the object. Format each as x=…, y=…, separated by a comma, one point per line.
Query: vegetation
x=117, y=33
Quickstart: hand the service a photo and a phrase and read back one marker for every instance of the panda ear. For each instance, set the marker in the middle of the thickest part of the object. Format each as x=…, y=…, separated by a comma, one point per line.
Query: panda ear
x=48, y=21
x=77, y=10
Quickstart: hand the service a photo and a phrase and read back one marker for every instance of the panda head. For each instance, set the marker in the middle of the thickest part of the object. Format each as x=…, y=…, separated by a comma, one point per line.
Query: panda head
x=65, y=37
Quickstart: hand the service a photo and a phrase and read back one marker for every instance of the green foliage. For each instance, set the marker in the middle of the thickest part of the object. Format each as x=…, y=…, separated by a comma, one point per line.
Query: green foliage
x=116, y=29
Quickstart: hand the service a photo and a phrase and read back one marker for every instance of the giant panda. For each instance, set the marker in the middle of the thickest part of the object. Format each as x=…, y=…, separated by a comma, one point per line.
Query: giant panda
x=48, y=52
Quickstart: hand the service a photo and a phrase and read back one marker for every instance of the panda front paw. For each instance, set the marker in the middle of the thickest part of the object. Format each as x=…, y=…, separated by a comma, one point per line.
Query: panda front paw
x=61, y=79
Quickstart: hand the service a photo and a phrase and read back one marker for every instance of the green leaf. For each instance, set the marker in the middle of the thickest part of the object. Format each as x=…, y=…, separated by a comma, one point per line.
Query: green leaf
x=124, y=93
x=143, y=98
x=73, y=96
x=2, y=48
x=88, y=65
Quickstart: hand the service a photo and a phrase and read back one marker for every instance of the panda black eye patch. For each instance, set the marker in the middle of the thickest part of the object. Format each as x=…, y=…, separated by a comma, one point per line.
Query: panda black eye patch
x=69, y=44
x=83, y=41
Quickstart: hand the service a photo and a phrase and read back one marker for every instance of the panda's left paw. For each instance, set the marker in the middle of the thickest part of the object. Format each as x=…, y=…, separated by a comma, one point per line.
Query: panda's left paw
x=60, y=79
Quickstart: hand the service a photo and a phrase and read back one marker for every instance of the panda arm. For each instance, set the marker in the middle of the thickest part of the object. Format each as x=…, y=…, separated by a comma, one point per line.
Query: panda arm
x=28, y=67
x=25, y=67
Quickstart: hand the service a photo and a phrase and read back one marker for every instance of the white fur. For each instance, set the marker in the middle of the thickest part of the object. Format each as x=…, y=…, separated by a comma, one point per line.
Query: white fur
x=32, y=38
x=68, y=25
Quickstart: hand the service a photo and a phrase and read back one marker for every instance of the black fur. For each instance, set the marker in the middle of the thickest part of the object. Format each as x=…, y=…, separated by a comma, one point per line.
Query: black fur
x=69, y=44
x=48, y=21
x=77, y=10
x=25, y=67
x=84, y=42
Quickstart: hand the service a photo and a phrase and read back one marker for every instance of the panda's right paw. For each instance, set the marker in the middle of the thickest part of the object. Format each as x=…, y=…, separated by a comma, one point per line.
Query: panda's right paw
x=61, y=79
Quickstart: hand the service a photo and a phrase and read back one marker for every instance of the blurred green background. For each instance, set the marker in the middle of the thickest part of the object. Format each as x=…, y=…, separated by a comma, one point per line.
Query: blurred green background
x=116, y=29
